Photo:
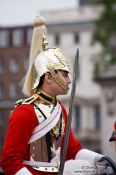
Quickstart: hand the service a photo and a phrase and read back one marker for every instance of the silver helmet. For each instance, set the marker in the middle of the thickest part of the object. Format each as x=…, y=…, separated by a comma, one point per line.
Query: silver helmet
x=43, y=59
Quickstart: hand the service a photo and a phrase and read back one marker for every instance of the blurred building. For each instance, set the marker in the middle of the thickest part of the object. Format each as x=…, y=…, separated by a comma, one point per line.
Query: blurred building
x=14, y=44
x=68, y=30
x=107, y=80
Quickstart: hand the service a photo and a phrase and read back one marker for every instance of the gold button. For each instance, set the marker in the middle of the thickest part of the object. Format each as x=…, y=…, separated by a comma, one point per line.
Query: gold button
x=33, y=155
x=33, y=148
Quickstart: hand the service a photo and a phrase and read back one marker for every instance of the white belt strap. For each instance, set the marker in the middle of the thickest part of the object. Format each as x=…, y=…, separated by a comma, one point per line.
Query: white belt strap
x=43, y=166
x=40, y=164
x=47, y=125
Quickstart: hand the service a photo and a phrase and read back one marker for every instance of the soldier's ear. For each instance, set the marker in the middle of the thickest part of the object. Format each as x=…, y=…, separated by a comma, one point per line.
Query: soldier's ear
x=48, y=77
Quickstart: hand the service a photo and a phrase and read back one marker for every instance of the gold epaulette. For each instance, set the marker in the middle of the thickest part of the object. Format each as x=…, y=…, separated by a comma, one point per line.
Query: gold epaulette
x=27, y=101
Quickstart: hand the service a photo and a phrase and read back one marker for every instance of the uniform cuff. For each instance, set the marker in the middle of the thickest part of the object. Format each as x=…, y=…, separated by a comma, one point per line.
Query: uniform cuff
x=23, y=171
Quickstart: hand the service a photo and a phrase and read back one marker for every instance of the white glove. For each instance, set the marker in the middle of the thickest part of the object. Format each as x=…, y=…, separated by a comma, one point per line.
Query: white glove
x=56, y=155
x=77, y=167
x=87, y=155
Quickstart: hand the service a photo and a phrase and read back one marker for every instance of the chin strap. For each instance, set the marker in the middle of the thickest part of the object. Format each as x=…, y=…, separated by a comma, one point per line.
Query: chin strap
x=57, y=79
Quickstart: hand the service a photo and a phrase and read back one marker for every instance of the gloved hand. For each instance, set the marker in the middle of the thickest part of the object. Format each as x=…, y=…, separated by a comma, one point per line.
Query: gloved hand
x=101, y=166
x=56, y=155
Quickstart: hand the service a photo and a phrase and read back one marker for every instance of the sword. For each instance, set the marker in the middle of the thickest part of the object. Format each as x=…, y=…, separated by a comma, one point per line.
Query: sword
x=66, y=139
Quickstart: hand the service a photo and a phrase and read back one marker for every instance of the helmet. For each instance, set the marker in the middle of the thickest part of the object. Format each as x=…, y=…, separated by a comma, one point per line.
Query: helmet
x=48, y=61
x=43, y=59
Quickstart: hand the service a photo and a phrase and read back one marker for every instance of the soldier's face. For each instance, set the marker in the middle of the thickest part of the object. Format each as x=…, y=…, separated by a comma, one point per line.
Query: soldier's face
x=63, y=76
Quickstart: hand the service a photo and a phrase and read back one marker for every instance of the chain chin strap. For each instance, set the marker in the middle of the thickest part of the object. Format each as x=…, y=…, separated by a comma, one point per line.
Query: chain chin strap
x=57, y=79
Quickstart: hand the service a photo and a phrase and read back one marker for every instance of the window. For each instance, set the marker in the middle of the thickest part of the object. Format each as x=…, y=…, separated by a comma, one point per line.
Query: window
x=1, y=66
x=13, y=90
x=86, y=2
x=17, y=38
x=13, y=65
x=77, y=118
x=4, y=38
x=1, y=90
x=3, y=116
x=76, y=38
x=25, y=65
x=29, y=35
x=57, y=39
x=97, y=117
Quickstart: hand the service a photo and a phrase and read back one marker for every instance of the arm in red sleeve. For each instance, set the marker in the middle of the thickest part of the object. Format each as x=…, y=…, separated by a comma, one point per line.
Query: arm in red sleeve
x=21, y=124
x=74, y=147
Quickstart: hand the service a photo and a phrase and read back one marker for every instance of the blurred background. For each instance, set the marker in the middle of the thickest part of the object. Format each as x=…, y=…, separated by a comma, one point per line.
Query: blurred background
x=89, y=25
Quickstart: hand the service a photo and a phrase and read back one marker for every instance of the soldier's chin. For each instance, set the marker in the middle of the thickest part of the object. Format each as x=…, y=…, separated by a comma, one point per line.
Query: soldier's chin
x=66, y=91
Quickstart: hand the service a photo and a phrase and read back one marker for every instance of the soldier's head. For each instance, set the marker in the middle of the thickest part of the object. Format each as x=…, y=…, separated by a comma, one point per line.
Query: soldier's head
x=48, y=66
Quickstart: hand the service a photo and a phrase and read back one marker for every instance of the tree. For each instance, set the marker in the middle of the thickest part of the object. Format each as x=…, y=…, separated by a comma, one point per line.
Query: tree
x=105, y=34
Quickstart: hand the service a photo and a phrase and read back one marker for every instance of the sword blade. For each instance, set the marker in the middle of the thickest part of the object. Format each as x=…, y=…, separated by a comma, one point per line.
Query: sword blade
x=66, y=139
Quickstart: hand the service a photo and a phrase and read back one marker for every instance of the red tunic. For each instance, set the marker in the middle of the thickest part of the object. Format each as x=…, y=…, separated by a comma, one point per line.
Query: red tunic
x=16, y=148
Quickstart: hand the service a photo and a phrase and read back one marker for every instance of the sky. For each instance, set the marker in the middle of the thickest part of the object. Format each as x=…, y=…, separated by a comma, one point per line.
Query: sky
x=23, y=11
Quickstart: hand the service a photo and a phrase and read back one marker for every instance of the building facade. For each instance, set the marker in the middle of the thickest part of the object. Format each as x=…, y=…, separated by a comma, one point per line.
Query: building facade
x=14, y=49
x=107, y=81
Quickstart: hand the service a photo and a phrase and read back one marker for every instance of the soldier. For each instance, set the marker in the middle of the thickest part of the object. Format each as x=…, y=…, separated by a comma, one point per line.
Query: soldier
x=36, y=130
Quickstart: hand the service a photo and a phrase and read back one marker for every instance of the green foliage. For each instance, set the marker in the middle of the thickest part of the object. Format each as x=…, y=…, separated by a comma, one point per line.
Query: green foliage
x=105, y=32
